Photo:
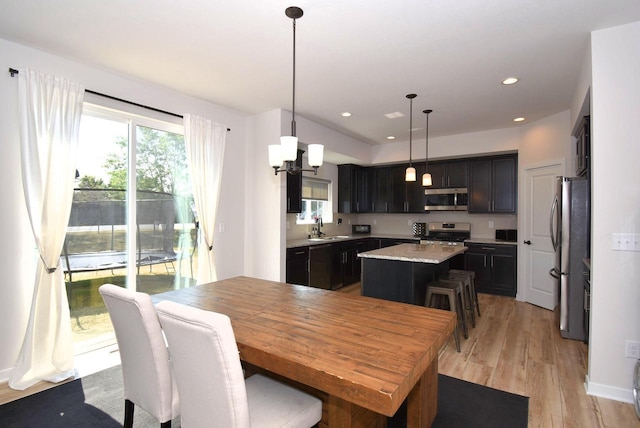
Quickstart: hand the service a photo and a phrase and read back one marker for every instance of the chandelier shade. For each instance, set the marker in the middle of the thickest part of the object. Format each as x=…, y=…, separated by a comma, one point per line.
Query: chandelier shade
x=426, y=177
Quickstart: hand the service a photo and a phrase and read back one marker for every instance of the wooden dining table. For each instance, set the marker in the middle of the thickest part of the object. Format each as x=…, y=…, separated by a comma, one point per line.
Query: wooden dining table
x=364, y=357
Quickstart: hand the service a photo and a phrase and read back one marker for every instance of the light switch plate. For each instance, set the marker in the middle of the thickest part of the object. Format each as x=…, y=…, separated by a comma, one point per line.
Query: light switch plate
x=625, y=241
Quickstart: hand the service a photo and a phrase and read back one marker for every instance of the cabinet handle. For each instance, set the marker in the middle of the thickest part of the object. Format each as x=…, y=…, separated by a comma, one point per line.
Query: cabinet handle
x=485, y=261
x=488, y=248
x=288, y=204
x=491, y=262
x=448, y=181
x=299, y=252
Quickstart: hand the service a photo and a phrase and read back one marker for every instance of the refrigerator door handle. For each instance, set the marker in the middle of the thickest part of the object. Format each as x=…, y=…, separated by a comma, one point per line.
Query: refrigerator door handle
x=552, y=216
x=564, y=304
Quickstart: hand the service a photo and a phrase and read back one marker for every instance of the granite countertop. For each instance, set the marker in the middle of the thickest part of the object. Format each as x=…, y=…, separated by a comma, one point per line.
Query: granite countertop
x=304, y=242
x=492, y=241
x=416, y=253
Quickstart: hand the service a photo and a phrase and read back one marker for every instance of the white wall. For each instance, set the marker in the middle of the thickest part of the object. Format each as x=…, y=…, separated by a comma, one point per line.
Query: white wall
x=615, y=286
x=17, y=255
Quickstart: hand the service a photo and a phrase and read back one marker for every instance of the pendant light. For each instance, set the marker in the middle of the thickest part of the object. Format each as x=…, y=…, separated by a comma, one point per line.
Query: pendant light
x=410, y=173
x=287, y=150
x=426, y=177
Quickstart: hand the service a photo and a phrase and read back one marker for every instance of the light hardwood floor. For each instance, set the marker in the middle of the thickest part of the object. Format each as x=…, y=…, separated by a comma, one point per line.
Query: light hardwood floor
x=515, y=347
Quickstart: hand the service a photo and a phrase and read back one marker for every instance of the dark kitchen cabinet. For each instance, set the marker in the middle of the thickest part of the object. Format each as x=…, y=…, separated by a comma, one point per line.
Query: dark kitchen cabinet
x=389, y=242
x=495, y=268
x=381, y=190
x=583, y=148
x=493, y=185
x=294, y=188
x=298, y=266
x=403, y=196
x=345, y=262
x=355, y=189
x=448, y=174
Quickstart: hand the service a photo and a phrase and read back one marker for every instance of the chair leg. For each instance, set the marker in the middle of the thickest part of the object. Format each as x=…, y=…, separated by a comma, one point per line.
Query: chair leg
x=128, y=413
x=165, y=424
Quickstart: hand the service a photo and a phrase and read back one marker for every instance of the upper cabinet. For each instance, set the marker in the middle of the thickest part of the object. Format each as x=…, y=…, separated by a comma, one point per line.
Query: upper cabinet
x=583, y=148
x=294, y=188
x=448, y=174
x=493, y=185
x=402, y=196
x=355, y=189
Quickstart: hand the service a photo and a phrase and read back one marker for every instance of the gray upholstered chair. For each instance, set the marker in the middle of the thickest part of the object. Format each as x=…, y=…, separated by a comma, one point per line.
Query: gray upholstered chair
x=148, y=381
x=213, y=391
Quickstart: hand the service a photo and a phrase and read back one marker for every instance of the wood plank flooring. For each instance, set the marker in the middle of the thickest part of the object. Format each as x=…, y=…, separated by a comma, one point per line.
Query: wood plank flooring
x=515, y=347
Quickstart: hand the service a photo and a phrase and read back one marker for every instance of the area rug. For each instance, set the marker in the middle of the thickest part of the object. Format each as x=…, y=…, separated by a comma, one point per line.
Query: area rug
x=96, y=401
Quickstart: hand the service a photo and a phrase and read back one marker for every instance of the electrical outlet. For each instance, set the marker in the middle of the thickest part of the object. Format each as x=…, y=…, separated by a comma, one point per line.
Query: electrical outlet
x=632, y=349
x=375, y=221
x=491, y=225
x=625, y=241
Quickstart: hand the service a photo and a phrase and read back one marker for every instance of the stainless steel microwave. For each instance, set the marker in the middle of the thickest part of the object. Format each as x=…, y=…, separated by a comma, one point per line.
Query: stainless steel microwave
x=446, y=199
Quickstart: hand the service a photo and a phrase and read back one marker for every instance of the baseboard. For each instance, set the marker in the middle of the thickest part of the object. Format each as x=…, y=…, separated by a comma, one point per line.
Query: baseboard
x=607, y=391
x=5, y=374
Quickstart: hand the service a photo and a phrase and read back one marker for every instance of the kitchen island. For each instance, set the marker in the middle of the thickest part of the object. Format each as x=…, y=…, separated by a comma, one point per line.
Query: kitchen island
x=401, y=273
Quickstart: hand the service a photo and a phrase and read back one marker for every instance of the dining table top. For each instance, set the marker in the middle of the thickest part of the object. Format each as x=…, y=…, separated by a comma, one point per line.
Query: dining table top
x=367, y=351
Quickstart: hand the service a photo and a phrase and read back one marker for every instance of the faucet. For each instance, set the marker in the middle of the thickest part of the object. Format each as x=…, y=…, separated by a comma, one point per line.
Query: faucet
x=319, y=224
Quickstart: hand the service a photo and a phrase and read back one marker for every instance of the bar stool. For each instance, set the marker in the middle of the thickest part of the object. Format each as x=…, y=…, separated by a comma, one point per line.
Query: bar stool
x=453, y=292
x=471, y=275
x=465, y=282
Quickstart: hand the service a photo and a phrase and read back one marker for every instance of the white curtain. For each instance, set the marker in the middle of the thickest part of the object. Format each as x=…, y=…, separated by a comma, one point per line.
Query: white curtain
x=205, y=141
x=50, y=109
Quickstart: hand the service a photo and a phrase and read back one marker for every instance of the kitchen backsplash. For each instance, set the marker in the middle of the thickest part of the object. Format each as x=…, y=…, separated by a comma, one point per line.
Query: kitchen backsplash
x=401, y=224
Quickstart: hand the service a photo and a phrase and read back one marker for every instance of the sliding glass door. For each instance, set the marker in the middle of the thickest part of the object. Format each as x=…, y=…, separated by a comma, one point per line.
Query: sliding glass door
x=132, y=221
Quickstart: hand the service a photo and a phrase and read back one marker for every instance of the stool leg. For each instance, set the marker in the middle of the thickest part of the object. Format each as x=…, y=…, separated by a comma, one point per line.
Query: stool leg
x=475, y=293
x=470, y=301
x=457, y=336
x=462, y=305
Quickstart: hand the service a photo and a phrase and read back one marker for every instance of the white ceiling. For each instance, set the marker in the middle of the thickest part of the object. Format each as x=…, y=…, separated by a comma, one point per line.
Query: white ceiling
x=358, y=56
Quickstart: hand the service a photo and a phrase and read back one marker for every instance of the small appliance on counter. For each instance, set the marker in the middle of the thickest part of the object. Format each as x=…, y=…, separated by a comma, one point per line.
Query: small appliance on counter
x=509, y=235
x=360, y=229
x=419, y=229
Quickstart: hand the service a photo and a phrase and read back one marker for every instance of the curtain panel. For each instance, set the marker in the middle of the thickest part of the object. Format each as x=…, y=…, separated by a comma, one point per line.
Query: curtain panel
x=205, y=143
x=50, y=109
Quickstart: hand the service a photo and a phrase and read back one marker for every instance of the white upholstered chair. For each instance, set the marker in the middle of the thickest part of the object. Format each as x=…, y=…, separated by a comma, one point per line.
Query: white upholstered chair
x=213, y=391
x=148, y=381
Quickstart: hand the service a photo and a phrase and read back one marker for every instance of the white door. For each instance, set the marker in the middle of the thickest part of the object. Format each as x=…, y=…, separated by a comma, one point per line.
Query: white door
x=537, y=251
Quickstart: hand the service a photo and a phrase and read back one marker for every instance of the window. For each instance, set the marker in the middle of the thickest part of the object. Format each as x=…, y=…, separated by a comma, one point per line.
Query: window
x=316, y=201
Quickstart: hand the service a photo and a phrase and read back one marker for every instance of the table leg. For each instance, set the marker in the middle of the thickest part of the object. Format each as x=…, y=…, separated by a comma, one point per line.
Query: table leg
x=422, y=402
x=343, y=414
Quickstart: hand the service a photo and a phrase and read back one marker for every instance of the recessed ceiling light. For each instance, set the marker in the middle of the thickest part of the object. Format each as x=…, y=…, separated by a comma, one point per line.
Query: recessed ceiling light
x=394, y=115
x=391, y=137
x=510, y=81
x=345, y=114
x=519, y=119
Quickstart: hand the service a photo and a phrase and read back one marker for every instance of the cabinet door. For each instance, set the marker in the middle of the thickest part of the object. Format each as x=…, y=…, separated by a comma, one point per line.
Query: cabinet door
x=437, y=171
x=504, y=185
x=298, y=266
x=479, y=186
x=503, y=268
x=346, y=189
x=397, y=189
x=457, y=174
x=381, y=200
x=365, y=179
x=294, y=188
x=415, y=192
x=476, y=261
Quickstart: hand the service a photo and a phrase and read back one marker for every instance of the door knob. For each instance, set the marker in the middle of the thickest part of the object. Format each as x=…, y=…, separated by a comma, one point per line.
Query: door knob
x=527, y=242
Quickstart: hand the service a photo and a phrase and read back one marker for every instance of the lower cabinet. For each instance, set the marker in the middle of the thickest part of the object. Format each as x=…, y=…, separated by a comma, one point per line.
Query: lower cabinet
x=298, y=266
x=495, y=267
x=345, y=267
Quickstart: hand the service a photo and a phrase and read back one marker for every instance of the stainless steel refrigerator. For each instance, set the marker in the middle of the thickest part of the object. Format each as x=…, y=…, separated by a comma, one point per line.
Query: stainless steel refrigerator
x=570, y=227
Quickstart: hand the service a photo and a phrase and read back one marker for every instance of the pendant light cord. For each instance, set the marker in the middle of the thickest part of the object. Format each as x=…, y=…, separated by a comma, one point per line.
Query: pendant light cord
x=293, y=103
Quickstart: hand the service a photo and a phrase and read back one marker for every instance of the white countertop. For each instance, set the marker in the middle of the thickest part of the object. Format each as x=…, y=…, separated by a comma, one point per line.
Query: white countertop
x=416, y=253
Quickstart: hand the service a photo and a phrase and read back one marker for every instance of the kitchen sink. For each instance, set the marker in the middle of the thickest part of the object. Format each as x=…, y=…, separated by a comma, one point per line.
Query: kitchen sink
x=329, y=238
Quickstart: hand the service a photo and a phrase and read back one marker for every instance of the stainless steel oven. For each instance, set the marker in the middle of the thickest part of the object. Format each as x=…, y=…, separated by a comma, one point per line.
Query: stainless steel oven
x=446, y=199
